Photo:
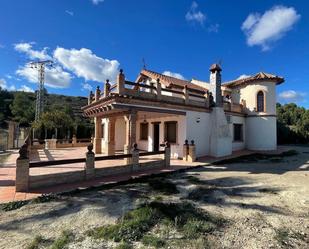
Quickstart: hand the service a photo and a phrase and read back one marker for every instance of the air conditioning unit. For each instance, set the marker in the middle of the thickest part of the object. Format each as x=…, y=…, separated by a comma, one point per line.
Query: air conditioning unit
x=229, y=119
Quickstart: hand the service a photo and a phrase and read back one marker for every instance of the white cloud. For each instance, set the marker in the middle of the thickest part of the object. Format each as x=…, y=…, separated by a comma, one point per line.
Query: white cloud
x=243, y=76
x=26, y=48
x=292, y=96
x=95, y=2
x=86, y=64
x=195, y=15
x=175, y=75
x=55, y=77
x=4, y=85
x=214, y=28
x=264, y=29
x=25, y=88
x=86, y=86
x=71, y=13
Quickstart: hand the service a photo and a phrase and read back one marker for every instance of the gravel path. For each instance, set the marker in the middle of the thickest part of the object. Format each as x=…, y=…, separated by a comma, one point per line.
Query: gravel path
x=266, y=204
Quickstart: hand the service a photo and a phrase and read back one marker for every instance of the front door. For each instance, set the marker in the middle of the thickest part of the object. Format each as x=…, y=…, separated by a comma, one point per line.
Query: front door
x=156, y=136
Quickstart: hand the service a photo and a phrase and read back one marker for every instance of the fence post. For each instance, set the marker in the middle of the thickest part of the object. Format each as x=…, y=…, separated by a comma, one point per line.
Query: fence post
x=186, y=94
x=107, y=87
x=135, y=158
x=185, y=151
x=158, y=89
x=74, y=140
x=90, y=161
x=192, y=153
x=90, y=97
x=97, y=94
x=167, y=154
x=22, y=170
x=120, y=82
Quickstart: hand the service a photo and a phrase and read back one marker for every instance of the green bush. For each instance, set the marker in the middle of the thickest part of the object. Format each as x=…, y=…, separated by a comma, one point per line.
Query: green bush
x=150, y=240
x=64, y=239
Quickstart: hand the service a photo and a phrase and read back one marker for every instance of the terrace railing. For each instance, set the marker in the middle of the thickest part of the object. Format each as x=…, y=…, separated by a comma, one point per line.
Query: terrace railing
x=25, y=180
x=155, y=91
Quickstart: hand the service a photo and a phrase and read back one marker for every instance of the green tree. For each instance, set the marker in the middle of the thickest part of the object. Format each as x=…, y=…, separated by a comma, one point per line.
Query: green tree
x=6, y=98
x=22, y=108
x=292, y=124
x=54, y=121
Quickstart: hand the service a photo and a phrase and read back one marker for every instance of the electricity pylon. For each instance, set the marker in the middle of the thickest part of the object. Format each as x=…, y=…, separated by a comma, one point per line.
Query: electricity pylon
x=40, y=66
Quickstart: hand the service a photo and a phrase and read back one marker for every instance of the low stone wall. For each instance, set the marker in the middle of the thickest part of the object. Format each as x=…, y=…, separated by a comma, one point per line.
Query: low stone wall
x=38, y=181
x=25, y=181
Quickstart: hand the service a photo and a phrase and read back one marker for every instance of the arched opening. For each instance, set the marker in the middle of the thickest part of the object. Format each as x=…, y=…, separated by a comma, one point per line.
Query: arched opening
x=260, y=101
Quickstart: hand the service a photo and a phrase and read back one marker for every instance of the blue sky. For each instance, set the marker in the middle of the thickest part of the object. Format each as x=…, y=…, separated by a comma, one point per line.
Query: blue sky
x=90, y=40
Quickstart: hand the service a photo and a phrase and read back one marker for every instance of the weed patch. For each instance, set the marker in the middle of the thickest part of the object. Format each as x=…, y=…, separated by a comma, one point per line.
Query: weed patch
x=18, y=204
x=194, y=179
x=201, y=193
x=163, y=185
x=65, y=238
x=124, y=245
x=282, y=236
x=35, y=242
x=133, y=226
x=13, y=205
x=150, y=240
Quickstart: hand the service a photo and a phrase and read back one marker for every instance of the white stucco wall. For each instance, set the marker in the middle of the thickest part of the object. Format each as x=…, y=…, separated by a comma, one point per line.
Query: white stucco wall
x=238, y=120
x=198, y=131
x=119, y=134
x=261, y=133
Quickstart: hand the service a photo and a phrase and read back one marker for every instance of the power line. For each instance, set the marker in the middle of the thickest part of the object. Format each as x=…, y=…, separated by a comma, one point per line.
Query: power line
x=40, y=66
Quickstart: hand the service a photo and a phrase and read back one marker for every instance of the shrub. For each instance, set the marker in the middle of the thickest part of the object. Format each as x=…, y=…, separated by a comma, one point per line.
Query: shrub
x=35, y=242
x=150, y=240
x=63, y=240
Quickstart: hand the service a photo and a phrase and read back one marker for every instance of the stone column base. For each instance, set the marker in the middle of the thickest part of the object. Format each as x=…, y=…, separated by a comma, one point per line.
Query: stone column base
x=110, y=148
x=97, y=145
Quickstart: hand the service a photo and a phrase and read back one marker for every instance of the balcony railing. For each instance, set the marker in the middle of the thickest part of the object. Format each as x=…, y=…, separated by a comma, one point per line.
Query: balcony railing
x=155, y=91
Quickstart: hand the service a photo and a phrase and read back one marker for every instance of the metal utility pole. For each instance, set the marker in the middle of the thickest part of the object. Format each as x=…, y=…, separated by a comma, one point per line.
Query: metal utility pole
x=40, y=66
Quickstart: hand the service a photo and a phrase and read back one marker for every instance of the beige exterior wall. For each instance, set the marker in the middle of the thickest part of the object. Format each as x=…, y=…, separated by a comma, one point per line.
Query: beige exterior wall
x=249, y=94
x=147, y=145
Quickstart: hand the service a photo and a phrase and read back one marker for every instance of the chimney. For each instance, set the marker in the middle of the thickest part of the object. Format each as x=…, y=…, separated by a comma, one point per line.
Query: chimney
x=215, y=84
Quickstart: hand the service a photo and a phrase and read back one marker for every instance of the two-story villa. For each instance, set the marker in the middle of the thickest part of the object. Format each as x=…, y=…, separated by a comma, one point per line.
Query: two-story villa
x=220, y=118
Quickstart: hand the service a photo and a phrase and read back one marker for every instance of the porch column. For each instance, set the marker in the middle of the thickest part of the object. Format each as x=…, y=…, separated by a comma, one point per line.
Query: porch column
x=130, y=131
x=98, y=135
x=111, y=136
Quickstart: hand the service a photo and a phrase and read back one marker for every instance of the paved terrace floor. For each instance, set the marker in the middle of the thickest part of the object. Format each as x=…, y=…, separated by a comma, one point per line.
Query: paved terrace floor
x=8, y=169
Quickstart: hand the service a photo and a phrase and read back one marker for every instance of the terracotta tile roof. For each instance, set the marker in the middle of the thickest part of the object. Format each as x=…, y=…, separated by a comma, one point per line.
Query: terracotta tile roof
x=169, y=81
x=261, y=76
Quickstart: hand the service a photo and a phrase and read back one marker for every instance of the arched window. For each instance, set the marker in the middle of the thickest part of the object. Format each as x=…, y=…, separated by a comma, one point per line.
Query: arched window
x=260, y=101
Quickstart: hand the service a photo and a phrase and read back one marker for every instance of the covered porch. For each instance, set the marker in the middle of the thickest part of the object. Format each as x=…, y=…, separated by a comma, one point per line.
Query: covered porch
x=119, y=126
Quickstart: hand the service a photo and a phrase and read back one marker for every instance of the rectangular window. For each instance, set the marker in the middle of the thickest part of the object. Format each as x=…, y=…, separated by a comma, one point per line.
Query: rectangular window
x=170, y=131
x=238, y=133
x=143, y=131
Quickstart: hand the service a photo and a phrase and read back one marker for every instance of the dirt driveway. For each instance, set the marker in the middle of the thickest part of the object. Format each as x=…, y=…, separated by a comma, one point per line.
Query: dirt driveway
x=254, y=202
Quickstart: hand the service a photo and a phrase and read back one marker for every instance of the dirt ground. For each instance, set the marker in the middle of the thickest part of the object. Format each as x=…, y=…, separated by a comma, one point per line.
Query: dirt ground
x=265, y=204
